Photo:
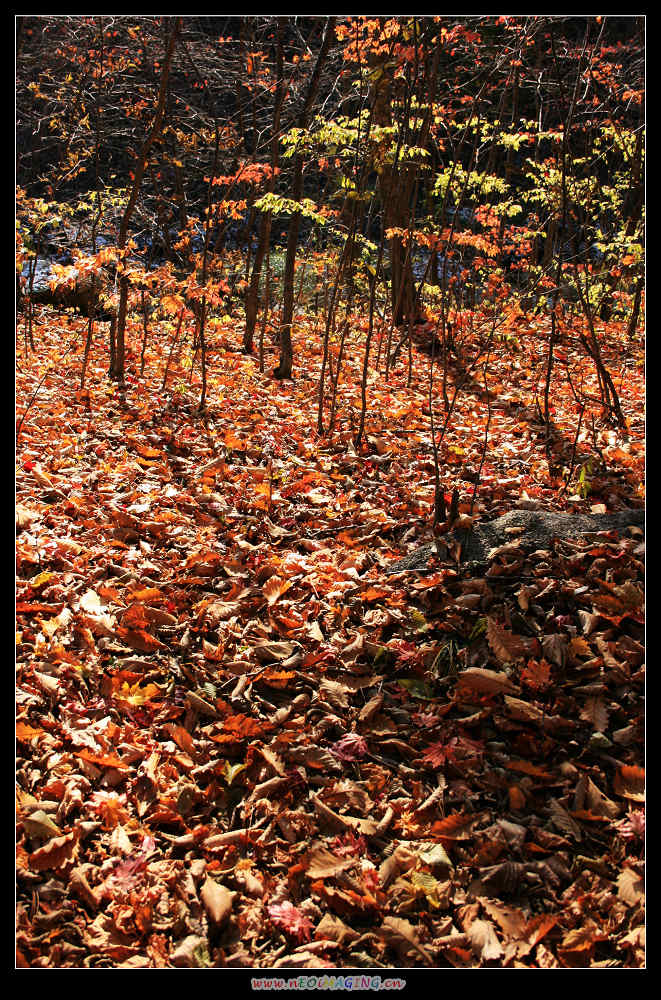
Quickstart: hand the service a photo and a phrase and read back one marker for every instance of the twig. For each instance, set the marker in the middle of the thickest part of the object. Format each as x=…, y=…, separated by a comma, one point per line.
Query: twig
x=41, y=382
x=573, y=452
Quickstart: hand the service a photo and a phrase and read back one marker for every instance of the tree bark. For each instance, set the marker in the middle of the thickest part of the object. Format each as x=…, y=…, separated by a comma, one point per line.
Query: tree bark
x=117, y=363
x=252, y=298
x=284, y=368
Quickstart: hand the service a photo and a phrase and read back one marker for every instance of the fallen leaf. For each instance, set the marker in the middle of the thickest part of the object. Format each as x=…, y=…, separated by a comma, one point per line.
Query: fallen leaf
x=217, y=901
x=322, y=863
x=402, y=936
x=630, y=887
x=290, y=919
x=507, y=646
x=485, y=681
x=58, y=852
x=484, y=941
x=629, y=782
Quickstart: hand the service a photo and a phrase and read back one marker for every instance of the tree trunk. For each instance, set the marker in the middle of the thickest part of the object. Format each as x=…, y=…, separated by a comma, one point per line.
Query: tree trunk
x=252, y=298
x=284, y=368
x=117, y=363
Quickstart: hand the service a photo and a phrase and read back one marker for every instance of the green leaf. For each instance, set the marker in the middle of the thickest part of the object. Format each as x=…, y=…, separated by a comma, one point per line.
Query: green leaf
x=202, y=957
x=479, y=629
x=417, y=688
x=419, y=620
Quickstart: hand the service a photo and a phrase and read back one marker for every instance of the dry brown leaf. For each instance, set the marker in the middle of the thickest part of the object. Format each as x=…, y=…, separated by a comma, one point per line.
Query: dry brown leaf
x=510, y=920
x=217, y=901
x=24, y=516
x=555, y=649
x=523, y=710
x=579, y=647
x=342, y=823
x=268, y=652
x=629, y=782
x=503, y=878
x=274, y=760
x=274, y=588
x=630, y=887
x=371, y=708
x=563, y=821
x=331, y=928
x=507, y=646
x=57, y=853
x=598, y=803
x=486, y=681
x=403, y=937
x=483, y=940
x=577, y=946
x=322, y=863
x=334, y=693
x=596, y=713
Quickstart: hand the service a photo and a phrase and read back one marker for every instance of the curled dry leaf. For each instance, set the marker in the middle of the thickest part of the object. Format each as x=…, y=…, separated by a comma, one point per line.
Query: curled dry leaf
x=402, y=936
x=217, y=901
x=577, y=946
x=484, y=941
x=629, y=782
x=523, y=710
x=39, y=825
x=504, y=878
x=274, y=588
x=24, y=516
x=369, y=710
x=342, y=823
x=589, y=796
x=331, y=928
x=335, y=693
x=630, y=887
x=555, y=649
x=57, y=853
x=82, y=888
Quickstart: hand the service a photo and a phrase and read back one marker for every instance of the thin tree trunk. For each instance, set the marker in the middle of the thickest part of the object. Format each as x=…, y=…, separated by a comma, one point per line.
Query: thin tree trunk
x=284, y=368
x=145, y=329
x=117, y=363
x=368, y=341
x=265, y=310
x=174, y=344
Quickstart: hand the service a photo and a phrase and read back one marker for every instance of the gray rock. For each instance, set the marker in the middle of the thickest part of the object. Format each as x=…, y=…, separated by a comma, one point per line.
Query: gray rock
x=538, y=530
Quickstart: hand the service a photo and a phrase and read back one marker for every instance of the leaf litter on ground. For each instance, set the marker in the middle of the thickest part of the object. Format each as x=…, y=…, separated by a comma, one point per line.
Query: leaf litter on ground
x=240, y=742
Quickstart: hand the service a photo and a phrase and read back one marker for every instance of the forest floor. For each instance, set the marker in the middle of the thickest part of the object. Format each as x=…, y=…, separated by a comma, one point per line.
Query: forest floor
x=242, y=742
